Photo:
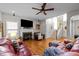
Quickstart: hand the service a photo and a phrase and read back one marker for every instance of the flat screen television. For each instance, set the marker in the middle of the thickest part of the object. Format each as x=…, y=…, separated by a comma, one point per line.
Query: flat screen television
x=26, y=23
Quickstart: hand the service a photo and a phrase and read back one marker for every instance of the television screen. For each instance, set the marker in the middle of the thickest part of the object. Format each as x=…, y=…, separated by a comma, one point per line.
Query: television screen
x=26, y=23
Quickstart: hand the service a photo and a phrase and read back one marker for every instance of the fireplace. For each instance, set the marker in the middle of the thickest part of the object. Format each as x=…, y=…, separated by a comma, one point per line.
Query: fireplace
x=27, y=35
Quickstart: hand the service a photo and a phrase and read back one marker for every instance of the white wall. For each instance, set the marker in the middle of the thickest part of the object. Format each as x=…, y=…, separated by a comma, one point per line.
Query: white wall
x=69, y=15
x=6, y=17
x=29, y=29
x=0, y=17
x=49, y=28
x=0, y=26
x=43, y=26
x=76, y=27
x=53, y=25
x=74, y=23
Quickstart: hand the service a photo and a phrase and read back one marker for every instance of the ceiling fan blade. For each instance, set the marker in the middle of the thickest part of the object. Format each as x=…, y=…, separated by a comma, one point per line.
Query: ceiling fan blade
x=38, y=12
x=49, y=9
x=35, y=8
x=45, y=13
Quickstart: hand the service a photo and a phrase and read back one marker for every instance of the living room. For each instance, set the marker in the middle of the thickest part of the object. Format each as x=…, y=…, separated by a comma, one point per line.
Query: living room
x=37, y=27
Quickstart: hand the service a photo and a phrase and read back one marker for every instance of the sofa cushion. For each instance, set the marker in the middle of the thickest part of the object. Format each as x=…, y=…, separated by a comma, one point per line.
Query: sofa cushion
x=3, y=41
x=77, y=42
x=75, y=48
x=71, y=54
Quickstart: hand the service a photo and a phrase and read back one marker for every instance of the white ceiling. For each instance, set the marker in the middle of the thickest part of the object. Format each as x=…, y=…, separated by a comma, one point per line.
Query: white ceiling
x=25, y=9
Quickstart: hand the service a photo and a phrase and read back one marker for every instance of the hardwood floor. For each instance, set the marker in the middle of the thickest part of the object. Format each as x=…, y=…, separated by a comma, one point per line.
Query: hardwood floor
x=37, y=47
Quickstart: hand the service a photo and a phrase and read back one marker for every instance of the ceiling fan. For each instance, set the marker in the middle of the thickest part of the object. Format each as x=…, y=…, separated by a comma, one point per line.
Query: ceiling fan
x=43, y=9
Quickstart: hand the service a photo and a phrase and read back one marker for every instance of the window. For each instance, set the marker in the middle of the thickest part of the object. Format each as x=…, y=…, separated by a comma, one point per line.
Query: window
x=11, y=29
x=55, y=23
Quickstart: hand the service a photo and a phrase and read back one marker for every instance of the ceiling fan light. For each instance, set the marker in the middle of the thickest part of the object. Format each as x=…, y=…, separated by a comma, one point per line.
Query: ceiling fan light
x=13, y=13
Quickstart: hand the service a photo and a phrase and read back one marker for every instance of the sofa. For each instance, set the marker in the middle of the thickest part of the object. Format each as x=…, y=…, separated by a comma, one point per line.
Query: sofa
x=7, y=48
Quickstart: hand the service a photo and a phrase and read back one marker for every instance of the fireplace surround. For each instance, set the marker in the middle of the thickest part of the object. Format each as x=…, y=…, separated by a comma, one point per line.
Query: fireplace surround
x=27, y=35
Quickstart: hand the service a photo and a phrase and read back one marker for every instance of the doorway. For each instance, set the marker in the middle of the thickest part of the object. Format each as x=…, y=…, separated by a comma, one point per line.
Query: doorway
x=74, y=26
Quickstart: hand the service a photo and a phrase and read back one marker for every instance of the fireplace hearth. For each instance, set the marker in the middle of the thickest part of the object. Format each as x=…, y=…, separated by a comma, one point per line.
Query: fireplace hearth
x=27, y=35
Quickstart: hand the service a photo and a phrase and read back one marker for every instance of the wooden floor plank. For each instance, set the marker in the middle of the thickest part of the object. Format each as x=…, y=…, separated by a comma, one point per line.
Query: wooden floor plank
x=37, y=47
